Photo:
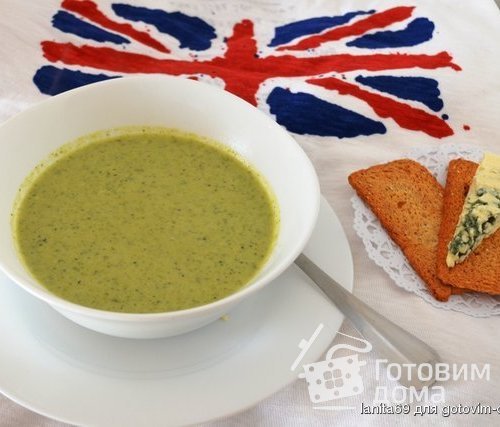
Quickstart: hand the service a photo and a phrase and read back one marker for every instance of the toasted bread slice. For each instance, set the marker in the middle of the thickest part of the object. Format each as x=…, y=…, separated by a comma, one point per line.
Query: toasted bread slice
x=480, y=271
x=407, y=200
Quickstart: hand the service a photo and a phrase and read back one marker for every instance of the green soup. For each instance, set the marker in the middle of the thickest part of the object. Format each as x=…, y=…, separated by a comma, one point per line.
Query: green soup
x=144, y=220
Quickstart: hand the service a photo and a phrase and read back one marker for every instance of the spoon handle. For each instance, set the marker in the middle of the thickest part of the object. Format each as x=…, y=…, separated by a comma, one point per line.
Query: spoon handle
x=391, y=341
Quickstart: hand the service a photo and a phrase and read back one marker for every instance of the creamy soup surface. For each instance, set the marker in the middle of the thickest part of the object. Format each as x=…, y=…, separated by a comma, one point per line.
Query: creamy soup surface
x=144, y=220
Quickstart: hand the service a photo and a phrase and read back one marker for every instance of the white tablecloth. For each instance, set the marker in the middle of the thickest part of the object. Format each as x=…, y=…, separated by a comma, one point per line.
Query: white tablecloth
x=470, y=33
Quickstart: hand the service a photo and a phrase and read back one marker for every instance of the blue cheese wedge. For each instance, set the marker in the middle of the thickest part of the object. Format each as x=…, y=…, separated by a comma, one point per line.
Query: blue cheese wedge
x=480, y=215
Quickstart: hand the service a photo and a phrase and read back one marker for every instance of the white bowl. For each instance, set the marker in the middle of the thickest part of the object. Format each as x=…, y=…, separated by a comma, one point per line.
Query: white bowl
x=172, y=102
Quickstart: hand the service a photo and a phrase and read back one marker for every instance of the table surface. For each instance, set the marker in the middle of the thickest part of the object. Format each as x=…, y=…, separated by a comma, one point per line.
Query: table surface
x=469, y=32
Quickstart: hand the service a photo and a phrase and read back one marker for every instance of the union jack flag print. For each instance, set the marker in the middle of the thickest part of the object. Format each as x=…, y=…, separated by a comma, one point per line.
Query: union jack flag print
x=309, y=69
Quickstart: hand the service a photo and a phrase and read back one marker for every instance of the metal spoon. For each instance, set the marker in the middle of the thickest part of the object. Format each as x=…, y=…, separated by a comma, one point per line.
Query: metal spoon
x=392, y=342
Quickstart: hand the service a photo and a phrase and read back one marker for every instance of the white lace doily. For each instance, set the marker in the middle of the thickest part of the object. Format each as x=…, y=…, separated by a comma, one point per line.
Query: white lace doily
x=389, y=256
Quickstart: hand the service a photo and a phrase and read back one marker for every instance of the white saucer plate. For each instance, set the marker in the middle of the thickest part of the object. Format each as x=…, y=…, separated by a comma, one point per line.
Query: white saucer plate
x=59, y=369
